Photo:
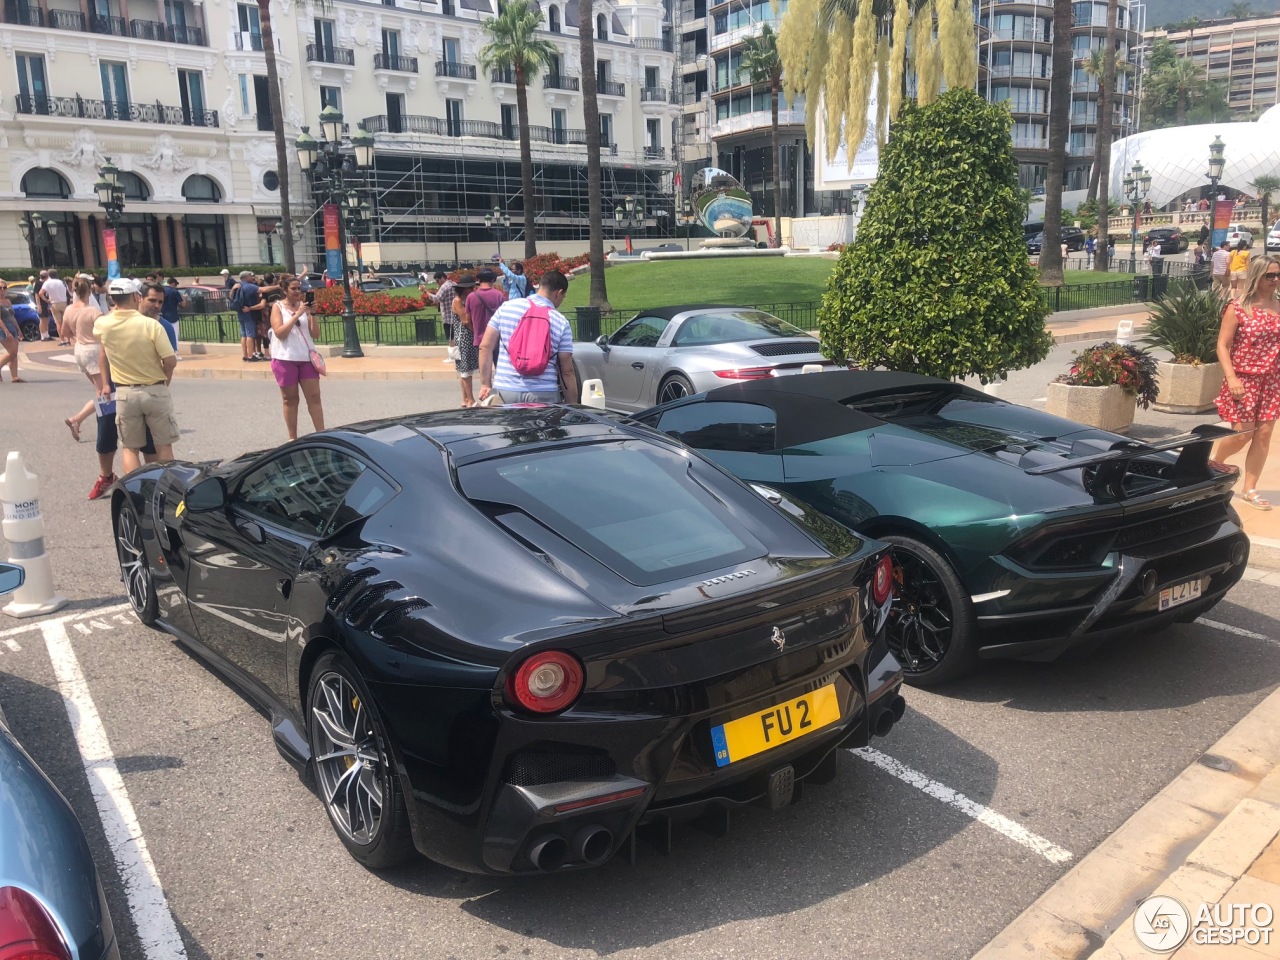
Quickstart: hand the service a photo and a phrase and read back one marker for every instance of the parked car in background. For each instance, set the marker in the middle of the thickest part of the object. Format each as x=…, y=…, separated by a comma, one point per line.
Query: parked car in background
x=203, y=298
x=1239, y=236
x=1273, y=238
x=24, y=311
x=647, y=637
x=1171, y=239
x=1016, y=534
x=388, y=281
x=50, y=894
x=1073, y=237
x=671, y=352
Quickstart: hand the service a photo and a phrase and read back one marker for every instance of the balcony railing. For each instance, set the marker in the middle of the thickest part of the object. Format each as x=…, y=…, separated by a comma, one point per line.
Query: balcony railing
x=112, y=26
x=66, y=20
x=391, y=61
x=502, y=76
x=653, y=43
x=249, y=41
x=443, y=127
x=75, y=20
x=654, y=153
x=654, y=95
x=23, y=14
x=611, y=88
x=155, y=30
x=560, y=82
x=459, y=71
x=82, y=109
x=323, y=53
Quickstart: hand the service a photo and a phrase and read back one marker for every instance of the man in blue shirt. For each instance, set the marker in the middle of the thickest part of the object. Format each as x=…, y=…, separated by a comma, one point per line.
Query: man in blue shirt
x=517, y=282
x=152, y=305
x=511, y=386
x=173, y=301
x=246, y=292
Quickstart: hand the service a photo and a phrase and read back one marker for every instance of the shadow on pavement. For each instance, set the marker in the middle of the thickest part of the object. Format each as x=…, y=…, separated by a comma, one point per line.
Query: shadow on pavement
x=840, y=836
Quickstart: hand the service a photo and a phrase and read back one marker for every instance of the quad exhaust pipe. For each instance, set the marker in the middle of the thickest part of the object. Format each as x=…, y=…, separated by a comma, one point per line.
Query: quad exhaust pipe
x=549, y=853
x=591, y=844
x=891, y=714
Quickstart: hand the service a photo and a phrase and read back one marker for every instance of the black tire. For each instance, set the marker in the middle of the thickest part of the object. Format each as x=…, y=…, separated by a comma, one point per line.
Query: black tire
x=336, y=700
x=673, y=387
x=30, y=330
x=931, y=623
x=135, y=569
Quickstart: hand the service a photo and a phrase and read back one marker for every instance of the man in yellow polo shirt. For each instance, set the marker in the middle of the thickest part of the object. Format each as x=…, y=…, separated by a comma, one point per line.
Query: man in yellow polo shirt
x=139, y=360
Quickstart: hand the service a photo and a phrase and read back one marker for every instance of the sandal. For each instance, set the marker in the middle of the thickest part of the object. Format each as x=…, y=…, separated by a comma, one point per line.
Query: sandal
x=73, y=427
x=1255, y=499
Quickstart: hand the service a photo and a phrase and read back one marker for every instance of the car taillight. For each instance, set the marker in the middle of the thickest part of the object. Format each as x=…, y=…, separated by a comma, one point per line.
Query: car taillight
x=882, y=581
x=547, y=682
x=745, y=373
x=27, y=932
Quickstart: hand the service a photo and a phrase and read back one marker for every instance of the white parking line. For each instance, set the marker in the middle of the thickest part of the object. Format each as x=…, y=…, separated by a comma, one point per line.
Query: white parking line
x=151, y=915
x=1238, y=631
x=116, y=608
x=970, y=808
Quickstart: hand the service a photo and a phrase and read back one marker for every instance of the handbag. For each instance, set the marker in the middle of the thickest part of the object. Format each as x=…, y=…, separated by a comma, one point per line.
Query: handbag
x=317, y=361
x=455, y=352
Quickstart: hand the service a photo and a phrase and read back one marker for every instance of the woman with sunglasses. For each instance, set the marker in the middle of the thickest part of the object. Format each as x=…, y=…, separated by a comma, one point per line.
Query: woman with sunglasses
x=293, y=331
x=1249, y=351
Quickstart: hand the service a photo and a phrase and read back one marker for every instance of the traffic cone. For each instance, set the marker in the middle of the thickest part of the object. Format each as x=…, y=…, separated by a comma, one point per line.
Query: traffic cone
x=23, y=528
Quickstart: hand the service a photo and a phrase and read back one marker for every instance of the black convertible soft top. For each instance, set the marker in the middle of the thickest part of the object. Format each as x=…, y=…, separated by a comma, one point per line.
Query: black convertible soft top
x=812, y=407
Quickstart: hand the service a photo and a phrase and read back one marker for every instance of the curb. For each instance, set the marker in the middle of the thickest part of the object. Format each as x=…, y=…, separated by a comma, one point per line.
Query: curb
x=1192, y=840
x=1264, y=552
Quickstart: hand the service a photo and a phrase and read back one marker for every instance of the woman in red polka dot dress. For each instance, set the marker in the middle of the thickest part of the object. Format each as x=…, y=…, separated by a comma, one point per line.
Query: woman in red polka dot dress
x=1249, y=351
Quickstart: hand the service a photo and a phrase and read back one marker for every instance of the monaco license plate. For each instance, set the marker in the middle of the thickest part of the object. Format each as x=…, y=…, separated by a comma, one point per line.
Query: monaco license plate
x=758, y=732
x=1180, y=593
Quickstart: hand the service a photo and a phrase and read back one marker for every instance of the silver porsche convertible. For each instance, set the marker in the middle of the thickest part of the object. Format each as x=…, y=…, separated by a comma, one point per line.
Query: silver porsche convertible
x=671, y=352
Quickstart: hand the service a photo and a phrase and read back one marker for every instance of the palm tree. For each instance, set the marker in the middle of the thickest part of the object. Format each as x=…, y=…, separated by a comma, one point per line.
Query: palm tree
x=1177, y=83
x=1265, y=185
x=1102, y=137
x=1240, y=10
x=1059, y=129
x=277, y=129
x=591, y=120
x=514, y=47
x=760, y=60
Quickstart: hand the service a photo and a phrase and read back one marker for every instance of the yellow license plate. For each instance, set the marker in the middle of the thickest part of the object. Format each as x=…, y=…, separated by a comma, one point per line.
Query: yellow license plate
x=747, y=736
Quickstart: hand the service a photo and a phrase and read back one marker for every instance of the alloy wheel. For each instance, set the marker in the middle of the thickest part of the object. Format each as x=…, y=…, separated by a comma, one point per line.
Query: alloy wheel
x=673, y=389
x=133, y=563
x=349, y=758
x=921, y=621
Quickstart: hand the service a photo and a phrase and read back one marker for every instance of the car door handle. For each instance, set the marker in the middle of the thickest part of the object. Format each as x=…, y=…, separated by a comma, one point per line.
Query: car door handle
x=637, y=365
x=285, y=586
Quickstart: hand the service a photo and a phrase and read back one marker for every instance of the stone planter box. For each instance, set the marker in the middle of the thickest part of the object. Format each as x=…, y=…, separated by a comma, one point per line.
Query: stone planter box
x=1188, y=389
x=1107, y=408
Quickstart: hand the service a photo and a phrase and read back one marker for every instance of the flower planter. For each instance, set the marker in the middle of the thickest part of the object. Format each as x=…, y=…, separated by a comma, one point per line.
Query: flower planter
x=1107, y=408
x=1188, y=389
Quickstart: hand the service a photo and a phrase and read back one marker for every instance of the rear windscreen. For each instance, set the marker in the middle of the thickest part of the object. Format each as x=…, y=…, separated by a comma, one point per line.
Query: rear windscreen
x=631, y=506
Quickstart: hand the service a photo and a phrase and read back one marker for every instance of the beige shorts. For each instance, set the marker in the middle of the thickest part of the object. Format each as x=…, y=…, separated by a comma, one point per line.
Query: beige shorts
x=1238, y=274
x=87, y=358
x=58, y=310
x=140, y=408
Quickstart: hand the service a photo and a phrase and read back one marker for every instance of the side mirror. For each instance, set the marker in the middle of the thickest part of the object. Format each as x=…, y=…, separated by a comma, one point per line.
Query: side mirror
x=207, y=495
x=602, y=342
x=11, y=578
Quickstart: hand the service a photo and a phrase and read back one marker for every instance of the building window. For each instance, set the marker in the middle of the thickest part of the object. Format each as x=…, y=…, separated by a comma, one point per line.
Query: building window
x=653, y=133
x=558, y=125
x=250, y=37
x=395, y=113
x=553, y=19
x=262, y=102
x=602, y=71
x=206, y=239
x=33, y=94
x=606, y=129
x=191, y=97
x=331, y=97
x=650, y=77
x=43, y=182
x=324, y=38
x=449, y=50
x=510, y=121
x=135, y=188
x=198, y=188
x=602, y=27
x=115, y=89
x=453, y=117
x=391, y=43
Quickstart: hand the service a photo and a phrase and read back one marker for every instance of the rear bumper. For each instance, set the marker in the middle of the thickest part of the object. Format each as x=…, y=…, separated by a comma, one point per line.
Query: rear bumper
x=1128, y=602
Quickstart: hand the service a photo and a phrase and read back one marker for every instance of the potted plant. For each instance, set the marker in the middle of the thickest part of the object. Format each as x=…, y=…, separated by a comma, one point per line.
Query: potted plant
x=1104, y=385
x=1185, y=323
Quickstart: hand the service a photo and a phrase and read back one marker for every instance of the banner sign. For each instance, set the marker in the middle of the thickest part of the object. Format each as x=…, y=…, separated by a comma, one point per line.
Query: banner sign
x=1222, y=211
x=109, y=242
x=332, y=243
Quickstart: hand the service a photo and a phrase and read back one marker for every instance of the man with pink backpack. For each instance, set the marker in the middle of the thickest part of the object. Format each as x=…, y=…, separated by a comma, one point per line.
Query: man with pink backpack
x=534, y=347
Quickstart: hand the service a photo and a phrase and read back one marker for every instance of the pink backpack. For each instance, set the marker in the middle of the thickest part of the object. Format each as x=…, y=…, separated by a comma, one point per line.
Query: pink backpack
x=530, y=346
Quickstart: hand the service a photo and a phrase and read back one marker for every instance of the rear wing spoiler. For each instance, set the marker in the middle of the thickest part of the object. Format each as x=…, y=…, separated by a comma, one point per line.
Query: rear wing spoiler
x=1192, y=462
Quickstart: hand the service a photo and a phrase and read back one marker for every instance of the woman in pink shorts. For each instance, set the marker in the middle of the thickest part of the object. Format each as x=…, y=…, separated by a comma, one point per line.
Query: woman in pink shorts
x=1249, y=351
x=293, y=331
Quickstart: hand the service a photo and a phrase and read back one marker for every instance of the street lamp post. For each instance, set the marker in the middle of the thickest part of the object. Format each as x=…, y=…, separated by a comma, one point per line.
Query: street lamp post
x=339, y=177
x=110, y=191
x=1136, y=187
x=39, y=234
x=628, y=215
x=686, y=219
x=1216, y=163
x=497, y=222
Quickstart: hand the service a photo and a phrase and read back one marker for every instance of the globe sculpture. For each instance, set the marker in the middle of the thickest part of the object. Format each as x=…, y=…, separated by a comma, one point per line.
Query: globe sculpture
x=722, y=205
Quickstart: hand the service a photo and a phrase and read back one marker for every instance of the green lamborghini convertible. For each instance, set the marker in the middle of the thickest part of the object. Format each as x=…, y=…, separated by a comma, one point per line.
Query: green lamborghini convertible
x=1017, y=534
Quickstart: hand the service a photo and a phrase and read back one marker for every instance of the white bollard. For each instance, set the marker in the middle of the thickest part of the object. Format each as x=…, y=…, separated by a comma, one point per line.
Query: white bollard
x=23, y=527
x=1124, y=331
x=811, y=368
x=593, y=393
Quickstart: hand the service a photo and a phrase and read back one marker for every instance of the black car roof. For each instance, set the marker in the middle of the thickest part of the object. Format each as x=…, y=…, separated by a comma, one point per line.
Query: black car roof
x=811, y=407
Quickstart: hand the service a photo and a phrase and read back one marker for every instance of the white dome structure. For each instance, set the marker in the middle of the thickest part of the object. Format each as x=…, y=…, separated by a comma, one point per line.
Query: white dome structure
x=1178, y=157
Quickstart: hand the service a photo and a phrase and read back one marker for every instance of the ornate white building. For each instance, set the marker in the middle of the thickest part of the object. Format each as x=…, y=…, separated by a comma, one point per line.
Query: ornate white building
x=174, y=92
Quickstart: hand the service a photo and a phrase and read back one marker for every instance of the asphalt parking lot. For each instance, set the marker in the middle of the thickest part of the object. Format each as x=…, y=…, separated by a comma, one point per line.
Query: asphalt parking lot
x=925, y=846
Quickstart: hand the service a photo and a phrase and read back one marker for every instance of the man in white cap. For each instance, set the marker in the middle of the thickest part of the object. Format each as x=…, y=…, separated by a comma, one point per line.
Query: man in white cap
x=138, y=358
x=227, y=282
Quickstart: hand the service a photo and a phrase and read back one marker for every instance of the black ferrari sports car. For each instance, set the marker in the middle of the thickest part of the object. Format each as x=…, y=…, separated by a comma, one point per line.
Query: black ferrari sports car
x=1016, y=534
x=631, y=636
